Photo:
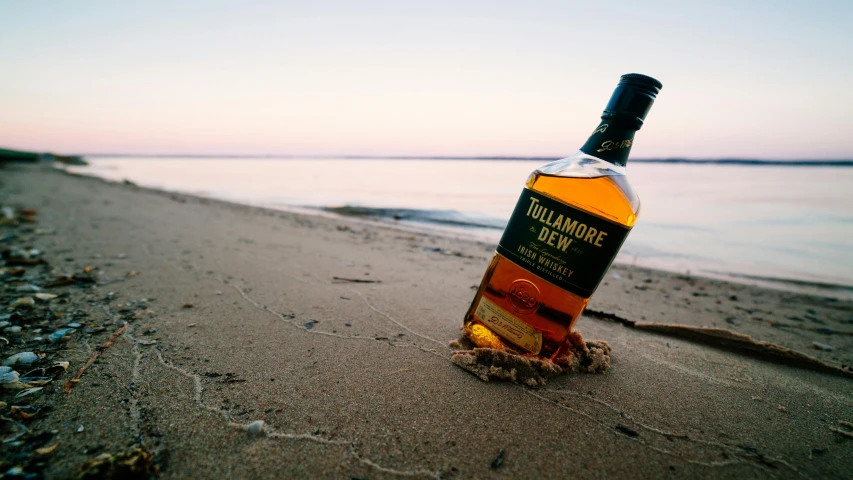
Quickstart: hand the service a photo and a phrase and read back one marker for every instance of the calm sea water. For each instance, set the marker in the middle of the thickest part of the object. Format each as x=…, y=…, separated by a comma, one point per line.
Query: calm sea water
x=780, y=222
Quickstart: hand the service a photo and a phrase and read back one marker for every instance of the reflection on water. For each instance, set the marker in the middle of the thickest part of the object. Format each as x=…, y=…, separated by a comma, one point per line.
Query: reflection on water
x=776, y=221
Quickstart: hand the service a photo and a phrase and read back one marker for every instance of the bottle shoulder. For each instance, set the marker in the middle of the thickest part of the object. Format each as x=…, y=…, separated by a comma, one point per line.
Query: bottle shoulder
x=590, y=184
x=581, y=165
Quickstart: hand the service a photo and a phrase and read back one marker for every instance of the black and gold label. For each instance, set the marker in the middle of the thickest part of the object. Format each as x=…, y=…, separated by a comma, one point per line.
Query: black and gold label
x=559, y=243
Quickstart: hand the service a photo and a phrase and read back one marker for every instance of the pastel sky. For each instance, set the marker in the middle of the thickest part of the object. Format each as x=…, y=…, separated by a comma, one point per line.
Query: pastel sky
x=760, y=79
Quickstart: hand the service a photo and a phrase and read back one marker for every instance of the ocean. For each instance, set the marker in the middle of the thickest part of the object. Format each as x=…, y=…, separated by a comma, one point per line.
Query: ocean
x=767, y=222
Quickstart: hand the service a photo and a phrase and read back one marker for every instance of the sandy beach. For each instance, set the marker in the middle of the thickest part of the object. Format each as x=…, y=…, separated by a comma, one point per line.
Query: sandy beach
x=334, y=332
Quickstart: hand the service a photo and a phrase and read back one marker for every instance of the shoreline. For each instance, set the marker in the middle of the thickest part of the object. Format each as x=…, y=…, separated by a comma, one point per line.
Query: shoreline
x=759, y=284
x=797, y=285
x=334, y=333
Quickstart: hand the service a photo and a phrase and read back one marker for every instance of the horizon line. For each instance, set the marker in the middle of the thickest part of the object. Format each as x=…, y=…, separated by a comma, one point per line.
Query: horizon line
x=671, y=160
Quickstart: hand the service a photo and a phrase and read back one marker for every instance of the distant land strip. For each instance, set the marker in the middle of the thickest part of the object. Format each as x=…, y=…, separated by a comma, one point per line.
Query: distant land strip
x=690, y=161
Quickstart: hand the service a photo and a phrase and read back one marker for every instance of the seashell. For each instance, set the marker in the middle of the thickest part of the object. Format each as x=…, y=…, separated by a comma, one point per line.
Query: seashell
x=17, y=470
x=22, y=358
x=12, y=329
x=47, y=450
x=56, y=369
x=74, y=325
x=45, y=297
x=24, y=412
x=22, y=430
x=27, y=289
x=47, y=372
x=28, y=391
x=39, y=372
x=57, y=335
x=36, y=380
x=9, y=377
x=25, y=302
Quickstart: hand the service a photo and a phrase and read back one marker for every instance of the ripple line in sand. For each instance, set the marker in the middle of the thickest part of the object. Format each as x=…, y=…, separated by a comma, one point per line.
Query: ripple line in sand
x=668, y=435
x=400, y=473
x=366, y=301
x=272, y=433
x=135, y=412
x=393, y=320
x=610, y=428
x=290, y=321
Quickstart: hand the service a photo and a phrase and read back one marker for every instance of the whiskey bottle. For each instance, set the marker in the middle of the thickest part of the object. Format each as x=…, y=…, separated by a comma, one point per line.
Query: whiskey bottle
x=567, y=227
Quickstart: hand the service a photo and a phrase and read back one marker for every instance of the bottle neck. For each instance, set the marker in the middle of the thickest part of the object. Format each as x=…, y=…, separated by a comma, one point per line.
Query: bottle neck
x=611, y=141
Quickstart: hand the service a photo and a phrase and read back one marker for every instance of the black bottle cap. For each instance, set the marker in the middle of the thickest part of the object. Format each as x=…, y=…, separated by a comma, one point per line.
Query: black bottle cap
x=632, y=100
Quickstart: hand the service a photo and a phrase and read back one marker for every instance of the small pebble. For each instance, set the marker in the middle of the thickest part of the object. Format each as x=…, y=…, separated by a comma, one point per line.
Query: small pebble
x=27, y=289
x=26, y=302
x=256, y=427
x=821, y=346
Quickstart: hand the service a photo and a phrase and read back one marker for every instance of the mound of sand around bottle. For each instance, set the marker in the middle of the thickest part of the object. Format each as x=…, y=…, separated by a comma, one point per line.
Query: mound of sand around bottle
x=508, y=365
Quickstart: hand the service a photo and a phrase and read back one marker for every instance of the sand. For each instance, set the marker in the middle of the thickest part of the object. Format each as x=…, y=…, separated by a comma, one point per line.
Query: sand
x=238, y=315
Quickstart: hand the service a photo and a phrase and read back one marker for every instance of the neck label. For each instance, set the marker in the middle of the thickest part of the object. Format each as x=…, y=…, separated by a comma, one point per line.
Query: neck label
x=610, y=142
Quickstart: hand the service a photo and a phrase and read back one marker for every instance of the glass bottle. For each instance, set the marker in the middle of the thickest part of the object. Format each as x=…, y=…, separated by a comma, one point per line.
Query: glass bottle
x=567, y=227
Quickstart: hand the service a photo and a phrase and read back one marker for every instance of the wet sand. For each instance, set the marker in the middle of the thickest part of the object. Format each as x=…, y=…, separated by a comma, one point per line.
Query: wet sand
x=257, y=315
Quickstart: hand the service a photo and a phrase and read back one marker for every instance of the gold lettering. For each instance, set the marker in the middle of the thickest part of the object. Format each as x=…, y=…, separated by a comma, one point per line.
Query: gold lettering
x=569, y=226
x=558, y=223
x=544, y=234
x=552, y=237
x=537, y=210
x=590, y=235
x=533, y=203
x=564, y=242
x=601, y=236
x=608, y=145
x=581, y=230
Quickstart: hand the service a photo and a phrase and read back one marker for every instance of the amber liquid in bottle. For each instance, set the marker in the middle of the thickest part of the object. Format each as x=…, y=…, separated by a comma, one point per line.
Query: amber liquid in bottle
x=607, y=196
x=585, y=182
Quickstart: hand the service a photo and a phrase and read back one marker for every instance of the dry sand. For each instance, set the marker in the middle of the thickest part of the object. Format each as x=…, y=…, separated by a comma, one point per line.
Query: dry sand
x=355, y=379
